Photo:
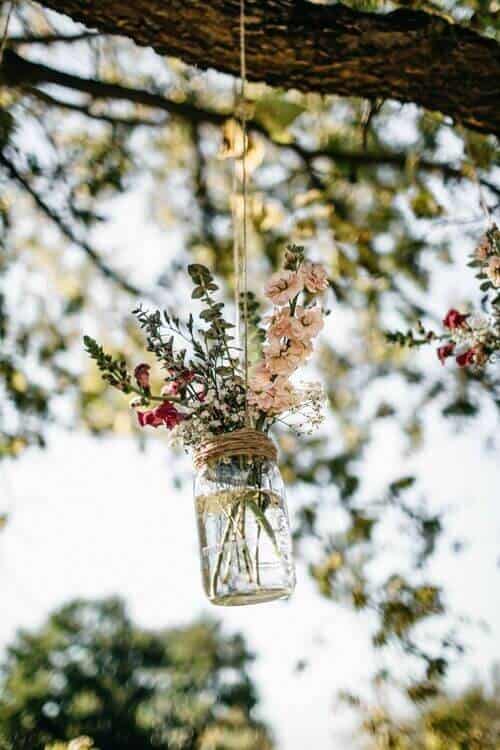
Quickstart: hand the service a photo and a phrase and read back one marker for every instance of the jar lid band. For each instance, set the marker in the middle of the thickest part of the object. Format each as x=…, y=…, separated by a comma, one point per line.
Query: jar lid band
x=244, y=442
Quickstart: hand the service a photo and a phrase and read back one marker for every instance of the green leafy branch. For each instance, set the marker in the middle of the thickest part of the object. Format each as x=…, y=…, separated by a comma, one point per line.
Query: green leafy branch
x=113, y=369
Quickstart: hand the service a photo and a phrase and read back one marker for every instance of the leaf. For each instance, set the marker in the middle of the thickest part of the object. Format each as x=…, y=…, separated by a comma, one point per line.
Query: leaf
x=197, y=292
x=208, y=314
x=460, y=408
x=401, y=484
x=277, y=113
x=197, y=271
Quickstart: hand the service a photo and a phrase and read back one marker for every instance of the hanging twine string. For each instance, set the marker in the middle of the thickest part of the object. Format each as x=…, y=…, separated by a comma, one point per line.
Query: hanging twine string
x=244, y=442
x=3, y=40
x=244, y=256
x=236, y=239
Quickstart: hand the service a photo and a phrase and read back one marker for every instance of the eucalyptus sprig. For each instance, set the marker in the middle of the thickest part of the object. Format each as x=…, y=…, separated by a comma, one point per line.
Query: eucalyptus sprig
x=113, y=369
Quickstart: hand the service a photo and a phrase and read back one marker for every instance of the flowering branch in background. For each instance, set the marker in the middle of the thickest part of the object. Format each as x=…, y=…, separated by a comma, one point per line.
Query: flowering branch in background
x=203, y=392
x=472, y=339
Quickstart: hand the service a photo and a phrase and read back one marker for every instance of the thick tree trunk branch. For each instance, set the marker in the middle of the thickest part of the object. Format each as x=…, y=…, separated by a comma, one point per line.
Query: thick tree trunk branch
x=18, y=71
x=407, y=55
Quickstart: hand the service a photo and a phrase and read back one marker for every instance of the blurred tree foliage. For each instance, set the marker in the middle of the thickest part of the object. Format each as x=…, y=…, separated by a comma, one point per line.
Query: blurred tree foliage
x=90, y=672
x=95, y=132
x=467, y=721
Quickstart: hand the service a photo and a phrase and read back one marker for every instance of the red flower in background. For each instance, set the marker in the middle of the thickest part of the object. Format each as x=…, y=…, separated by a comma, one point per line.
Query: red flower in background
x=445, y=351
x=141, y=375
x=467, y=358
x=454, y=319
x=164, y=414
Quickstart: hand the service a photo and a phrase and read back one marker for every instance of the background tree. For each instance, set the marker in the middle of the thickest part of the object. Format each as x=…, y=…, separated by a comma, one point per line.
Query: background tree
x=90, y=671
x=468, y=720
x=385, y=192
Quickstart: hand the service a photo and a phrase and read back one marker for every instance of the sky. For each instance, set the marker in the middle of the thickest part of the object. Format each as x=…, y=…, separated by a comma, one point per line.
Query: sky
x=96, y=517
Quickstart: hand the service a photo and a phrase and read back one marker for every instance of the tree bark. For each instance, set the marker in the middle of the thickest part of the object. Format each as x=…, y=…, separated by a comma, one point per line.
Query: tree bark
x=406, y=55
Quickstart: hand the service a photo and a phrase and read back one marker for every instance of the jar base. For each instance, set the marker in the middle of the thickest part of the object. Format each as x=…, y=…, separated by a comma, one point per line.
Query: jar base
x=259, y=596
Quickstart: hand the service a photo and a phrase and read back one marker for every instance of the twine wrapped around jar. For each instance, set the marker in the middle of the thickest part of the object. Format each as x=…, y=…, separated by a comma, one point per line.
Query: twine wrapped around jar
x=244, y=442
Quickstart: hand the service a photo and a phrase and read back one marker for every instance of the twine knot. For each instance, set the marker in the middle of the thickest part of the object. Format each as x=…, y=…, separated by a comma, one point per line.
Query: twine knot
x=244, y=442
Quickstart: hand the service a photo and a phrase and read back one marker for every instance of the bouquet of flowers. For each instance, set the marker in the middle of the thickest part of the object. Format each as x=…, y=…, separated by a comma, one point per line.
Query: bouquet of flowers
x=205, y=392
x=473, y=339
x=221, y=410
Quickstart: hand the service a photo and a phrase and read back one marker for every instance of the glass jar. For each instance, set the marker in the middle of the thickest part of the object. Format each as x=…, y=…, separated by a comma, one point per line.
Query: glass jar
x=244, y=531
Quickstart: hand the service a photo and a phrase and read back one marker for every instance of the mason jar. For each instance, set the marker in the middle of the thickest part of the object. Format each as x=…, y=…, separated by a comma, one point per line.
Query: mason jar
x=244, y=531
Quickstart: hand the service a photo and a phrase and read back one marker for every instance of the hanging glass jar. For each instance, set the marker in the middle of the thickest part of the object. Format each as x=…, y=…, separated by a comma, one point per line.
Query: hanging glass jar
x=243, y=524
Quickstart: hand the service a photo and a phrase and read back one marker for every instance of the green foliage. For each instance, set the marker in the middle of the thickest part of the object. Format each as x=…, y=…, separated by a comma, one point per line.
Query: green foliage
x=90, y=671
x=113, y=370
x=469, y=721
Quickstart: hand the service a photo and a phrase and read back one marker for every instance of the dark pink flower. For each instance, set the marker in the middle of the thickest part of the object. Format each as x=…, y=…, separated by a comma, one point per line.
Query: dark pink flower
x=141, y=375
x=186, y=376
x=445, y=351
x=467, y=358
x=148, y=418
x=454, y=319
x=164, y=414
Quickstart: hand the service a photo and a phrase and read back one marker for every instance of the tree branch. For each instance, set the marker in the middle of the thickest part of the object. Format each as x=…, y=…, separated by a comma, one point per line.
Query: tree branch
x=18, y=71
x=130, y=122
x=408, y=55
x=66, y=230
x=387, y=158
x=48, y=39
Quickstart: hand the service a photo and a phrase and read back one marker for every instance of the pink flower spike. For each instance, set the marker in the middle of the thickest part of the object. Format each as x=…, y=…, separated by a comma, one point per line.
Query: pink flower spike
x=283, y=286
x=454, y=319
x=309, y=322
x=315, y=277
x=445, y=351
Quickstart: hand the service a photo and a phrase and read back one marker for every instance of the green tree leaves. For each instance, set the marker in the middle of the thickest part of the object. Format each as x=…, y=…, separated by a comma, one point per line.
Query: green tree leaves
x=90, y=671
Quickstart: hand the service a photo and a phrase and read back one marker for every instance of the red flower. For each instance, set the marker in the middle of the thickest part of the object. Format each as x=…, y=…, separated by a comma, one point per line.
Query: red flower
x=178, y=382
x=454, y=319
x=186, y=376
x=445, y=351
x=467, y=358
x=164, y=414
x=141, y=375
